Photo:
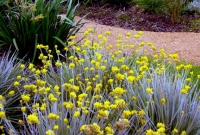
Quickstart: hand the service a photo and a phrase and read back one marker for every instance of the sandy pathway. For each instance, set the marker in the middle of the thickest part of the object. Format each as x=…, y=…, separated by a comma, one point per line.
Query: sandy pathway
x=186, y=44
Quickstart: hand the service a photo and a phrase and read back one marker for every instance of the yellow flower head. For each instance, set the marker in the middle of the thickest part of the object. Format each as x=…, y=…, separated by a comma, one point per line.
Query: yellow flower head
x=53, y=116
x=50, y=132
x=11, y=93
x=175, y=130
x=72, y=94
x=120, y=103
x=149, y=90
x=115, y=69
x=2, y=115
x=16, y=84
x=33, y=119
x=107, y=32
x=118, y=91
x=25, y=97
x=22, y=66
x=150, y=132
x=20, y=122
x=120, y=77
x=37, y=18
x=71, y=65
x=163, y=100
x=159, y=125
x=69, y=105
x=56, y=127
x=140, y=32
x=76, y=114
x=136, y=36
x=183, y=133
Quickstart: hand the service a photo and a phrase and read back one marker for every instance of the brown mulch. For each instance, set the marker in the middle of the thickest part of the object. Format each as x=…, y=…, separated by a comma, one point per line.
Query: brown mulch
x=133, y=18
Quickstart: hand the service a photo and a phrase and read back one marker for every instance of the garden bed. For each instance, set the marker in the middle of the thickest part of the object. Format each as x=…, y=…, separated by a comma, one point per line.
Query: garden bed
x=136, y=19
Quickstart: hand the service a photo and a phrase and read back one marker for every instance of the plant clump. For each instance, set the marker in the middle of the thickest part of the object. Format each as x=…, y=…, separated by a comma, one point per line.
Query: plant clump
x=25, y=23
x=97, y=91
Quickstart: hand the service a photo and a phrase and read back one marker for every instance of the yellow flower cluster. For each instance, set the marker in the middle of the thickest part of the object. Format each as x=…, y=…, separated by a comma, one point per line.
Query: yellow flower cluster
x=33, y=119
x=37, y=18
x=161, y=130
x=91, y=129
x=25, y=97
x=2, y=115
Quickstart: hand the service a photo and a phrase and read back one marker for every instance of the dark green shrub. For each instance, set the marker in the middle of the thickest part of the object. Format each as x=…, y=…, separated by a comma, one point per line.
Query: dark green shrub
x=152, y=6
x=28, y=23
x=169, y=7
x=175, y=7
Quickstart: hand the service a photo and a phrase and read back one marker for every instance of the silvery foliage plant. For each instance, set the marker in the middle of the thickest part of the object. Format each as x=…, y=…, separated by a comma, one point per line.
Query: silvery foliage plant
x=194, y=6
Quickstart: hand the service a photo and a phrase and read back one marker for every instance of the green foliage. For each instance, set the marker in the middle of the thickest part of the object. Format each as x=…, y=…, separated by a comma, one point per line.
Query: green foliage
x=171, y=7
x=30, y=23
x=194, y=25
x=175, y=7
x=123, y=17
x=152, y=6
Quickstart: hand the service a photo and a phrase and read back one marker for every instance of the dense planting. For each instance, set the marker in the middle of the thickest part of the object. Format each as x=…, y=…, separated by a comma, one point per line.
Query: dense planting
x=94, y=90
x=90, y=87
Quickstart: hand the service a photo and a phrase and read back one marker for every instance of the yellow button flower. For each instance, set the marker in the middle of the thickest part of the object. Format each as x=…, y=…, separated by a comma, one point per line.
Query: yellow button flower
x=76, y=114
x=72, y=94
x=33, y=119
x=16, y=84
x=71, y=65
x=25, y=97
x=50, y=132
x=149, y=90
x=2, y=115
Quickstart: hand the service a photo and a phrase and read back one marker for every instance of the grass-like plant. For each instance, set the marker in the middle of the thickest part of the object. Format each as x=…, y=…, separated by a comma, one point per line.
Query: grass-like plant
x=152, y=6
x=99, y=91
x=169, y=7
x=27, y=23
x=12, y=70
x=175, y=7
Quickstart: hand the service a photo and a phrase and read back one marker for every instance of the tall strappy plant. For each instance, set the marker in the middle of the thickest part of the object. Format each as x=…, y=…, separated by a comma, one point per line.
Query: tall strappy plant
x=27, y=23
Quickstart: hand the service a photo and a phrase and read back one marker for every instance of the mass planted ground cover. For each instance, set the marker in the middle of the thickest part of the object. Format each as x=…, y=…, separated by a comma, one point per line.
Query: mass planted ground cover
x=91, y=90
x=87, y=87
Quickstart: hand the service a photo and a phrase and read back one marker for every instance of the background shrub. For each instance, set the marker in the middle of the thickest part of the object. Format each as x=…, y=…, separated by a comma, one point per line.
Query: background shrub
x=27, y=23
x=152, y=6
x=194, y=6
x=168, y=7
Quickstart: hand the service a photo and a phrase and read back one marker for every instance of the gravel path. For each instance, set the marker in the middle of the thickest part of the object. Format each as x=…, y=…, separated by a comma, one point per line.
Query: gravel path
x=186, y=44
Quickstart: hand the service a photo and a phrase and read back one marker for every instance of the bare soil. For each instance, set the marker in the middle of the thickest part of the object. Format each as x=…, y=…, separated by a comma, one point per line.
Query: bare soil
x=134, y=18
